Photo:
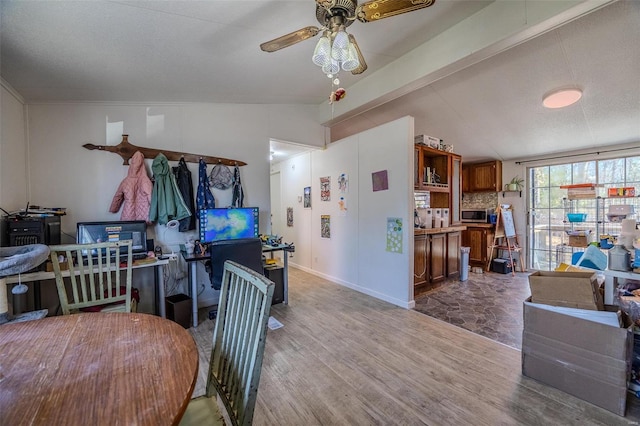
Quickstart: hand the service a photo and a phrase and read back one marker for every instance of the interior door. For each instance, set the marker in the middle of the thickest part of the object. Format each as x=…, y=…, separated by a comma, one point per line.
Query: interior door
x=276, y=204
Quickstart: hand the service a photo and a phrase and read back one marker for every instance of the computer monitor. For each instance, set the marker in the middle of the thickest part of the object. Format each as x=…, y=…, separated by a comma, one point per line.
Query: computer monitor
x=228, y=224
x=96, y=232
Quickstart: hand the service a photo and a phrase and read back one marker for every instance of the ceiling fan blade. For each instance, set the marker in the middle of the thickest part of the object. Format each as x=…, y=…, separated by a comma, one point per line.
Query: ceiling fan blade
x=380, y=9
x=289, y=39
x=363, y=65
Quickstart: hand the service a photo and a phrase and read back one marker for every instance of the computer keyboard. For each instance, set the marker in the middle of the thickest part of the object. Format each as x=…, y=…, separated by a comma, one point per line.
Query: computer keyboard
x=139, y=256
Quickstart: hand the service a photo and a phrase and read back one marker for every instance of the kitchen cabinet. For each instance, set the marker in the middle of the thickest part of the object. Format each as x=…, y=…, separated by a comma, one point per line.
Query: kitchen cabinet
x=440, y=174
x=478, y=239
x=465, y=178
x=483, y=177
x=438, y=264
x=454, y=240
x=436, y=254
x=420, y=256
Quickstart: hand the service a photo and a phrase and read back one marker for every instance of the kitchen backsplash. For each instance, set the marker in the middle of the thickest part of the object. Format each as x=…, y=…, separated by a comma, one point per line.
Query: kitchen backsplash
x=480, y=200
x=473, y=200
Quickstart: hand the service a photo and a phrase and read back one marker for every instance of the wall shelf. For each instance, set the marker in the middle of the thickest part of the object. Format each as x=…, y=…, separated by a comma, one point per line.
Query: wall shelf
x=506, y=192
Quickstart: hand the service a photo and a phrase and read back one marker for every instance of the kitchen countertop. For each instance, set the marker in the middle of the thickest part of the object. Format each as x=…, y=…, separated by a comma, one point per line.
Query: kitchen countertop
x=429, y=231
x=479, y=225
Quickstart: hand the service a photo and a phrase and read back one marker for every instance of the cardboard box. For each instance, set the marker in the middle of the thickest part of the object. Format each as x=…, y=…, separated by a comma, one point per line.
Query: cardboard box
x=578, y=241
x=429, y=141
x=581, y=352
x=569, y=289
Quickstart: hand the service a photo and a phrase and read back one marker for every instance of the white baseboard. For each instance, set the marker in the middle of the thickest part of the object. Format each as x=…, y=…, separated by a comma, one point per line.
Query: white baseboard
x=401, y=303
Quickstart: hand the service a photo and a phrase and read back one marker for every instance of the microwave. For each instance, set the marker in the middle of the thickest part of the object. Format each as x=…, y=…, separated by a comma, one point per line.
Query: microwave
x=476, y=215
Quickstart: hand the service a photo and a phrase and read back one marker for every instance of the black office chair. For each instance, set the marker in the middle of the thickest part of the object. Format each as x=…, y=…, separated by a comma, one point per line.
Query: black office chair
x=246, y=251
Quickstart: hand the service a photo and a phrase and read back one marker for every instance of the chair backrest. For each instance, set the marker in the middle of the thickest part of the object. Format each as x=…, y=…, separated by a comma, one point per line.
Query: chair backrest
x=94, y=273
x=245, y=251
x=238, y=340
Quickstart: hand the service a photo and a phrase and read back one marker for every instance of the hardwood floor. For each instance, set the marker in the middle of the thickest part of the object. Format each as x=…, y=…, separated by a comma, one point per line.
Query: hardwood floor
x=344, y=358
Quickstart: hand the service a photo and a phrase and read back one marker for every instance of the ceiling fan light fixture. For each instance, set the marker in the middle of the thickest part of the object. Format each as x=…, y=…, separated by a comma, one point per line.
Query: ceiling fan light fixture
x=340, y=48
x=560, y=98
x=331, y=68
x=322, y=52
x=352, y=62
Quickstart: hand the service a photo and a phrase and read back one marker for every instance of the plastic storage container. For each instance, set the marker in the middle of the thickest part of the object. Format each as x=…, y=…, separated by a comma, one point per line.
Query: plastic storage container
x=619, y=258
x=464, y=263
x=577, y=217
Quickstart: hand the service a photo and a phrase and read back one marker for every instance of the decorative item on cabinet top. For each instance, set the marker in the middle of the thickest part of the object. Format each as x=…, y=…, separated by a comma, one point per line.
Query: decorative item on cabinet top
x=126, y=150
x=432, y=142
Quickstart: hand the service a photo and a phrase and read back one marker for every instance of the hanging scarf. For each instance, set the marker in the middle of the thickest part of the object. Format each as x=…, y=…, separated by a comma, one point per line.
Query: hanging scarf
x=204, y=199
x=238, y=194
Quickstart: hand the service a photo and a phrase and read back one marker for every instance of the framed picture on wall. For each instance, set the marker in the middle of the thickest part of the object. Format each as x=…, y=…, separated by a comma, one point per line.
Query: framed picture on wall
x=307, y=197
x=289, y=216
x=325, y=188
x=325, y=226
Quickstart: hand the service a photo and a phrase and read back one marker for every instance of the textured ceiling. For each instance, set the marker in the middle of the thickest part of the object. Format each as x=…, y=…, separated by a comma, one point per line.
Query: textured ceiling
x=189, y=51
x=207, y=51
x=493, y=109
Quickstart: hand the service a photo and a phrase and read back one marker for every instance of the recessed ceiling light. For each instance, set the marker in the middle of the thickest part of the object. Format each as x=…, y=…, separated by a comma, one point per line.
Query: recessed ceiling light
x=560, y=98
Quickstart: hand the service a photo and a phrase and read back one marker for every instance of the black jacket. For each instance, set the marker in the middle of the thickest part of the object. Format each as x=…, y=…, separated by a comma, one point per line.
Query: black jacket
x=183, y=179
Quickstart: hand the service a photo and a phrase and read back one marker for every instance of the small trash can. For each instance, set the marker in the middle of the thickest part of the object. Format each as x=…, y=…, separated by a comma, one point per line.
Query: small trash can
x=178, y=309
x=464, y=263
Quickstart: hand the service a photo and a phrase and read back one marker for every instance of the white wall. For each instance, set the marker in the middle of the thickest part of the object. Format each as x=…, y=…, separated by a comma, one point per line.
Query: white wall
x=64, y=174
x=386, y=275
x=13, y=151
x=355, y=255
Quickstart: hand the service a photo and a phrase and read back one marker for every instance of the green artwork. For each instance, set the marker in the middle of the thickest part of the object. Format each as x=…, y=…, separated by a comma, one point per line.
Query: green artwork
x=394, y=234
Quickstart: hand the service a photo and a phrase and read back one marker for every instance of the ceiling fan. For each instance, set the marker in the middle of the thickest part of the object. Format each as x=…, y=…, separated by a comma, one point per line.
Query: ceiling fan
x=334, y=16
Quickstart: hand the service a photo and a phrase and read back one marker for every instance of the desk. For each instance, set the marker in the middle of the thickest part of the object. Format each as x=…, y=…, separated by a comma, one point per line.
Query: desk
x=158, y=273
x=96, y=369
x=191, y=260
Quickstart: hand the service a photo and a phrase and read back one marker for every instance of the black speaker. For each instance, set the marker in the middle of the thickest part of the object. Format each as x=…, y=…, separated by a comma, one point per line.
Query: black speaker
x=150, y=245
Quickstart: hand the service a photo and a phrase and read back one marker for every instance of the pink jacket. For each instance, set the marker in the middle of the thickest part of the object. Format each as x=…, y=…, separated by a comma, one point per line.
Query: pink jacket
x=134, y=192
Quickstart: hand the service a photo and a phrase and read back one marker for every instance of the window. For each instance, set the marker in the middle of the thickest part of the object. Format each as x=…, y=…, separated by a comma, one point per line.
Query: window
x=548, y=205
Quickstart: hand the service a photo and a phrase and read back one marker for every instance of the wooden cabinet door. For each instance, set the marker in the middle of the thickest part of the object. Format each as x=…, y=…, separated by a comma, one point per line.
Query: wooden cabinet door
x=418, y=165
x=420, y=256
x=465, y=178
x=486, y=177
x=438, y=253
x=453, y=254
x=455, y=184
x=477, y=245
x=478, y=240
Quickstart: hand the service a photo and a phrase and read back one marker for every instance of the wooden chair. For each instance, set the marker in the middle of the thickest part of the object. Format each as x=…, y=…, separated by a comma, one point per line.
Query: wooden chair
x=238, y=346
x=94, y=273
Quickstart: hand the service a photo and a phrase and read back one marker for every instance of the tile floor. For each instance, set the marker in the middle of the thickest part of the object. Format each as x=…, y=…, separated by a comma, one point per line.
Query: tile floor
x=489, y=304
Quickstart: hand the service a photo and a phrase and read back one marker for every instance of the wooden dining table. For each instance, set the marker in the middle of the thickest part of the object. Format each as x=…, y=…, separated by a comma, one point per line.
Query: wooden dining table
x=96, y=369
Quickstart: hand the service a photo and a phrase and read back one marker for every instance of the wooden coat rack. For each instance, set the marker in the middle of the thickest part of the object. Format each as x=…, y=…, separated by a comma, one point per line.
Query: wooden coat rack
x=126, y=151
